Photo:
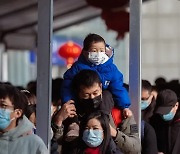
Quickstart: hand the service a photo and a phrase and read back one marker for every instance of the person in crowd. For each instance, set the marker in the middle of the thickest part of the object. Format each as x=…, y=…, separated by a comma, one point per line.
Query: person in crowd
x=98, y=56
x=148, y=139
x=56, y=99
x=95, y=136
x=31, y=87
x=90, y=97
x=30, y=111
x=16, y=136
x=166, y=122
x=147, y=101
x=160, y=83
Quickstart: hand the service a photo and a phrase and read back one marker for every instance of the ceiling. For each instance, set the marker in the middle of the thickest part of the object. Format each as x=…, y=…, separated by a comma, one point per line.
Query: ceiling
x=18, y=20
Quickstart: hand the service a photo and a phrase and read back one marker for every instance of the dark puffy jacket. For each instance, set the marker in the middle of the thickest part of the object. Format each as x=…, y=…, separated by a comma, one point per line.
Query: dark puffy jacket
x=168, y=134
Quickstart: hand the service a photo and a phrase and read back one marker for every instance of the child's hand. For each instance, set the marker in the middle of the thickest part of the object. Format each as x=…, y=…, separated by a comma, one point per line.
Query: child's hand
x=127, y=113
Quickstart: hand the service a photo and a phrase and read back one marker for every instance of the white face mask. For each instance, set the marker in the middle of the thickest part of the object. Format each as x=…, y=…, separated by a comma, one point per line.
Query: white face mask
x=97, y=57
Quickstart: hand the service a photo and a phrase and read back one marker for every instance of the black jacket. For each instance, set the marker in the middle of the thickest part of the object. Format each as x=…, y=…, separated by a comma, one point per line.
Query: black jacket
x=148, y=112
x=148, y=139
x=168, y=133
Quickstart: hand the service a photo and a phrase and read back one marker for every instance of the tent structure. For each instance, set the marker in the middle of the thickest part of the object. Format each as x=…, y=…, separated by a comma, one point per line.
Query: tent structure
x=19, y=19
x=18, y=30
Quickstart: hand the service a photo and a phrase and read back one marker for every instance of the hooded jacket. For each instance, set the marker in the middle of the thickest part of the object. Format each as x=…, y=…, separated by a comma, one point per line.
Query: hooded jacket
x=111, y=79
x=20, y=140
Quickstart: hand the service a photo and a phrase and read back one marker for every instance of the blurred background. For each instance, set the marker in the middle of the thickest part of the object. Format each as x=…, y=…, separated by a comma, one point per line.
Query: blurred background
x=73, y=20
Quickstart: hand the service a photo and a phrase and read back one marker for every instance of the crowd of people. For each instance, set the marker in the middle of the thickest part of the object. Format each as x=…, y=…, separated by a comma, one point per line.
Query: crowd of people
x=90, y=111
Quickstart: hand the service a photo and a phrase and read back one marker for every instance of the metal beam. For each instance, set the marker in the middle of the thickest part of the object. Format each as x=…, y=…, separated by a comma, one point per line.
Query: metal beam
x=76, y=22
x=34, y=22
x=44, y=69
x=2, y=49
x=20, y=10
x=135, y=58
x=9, y=6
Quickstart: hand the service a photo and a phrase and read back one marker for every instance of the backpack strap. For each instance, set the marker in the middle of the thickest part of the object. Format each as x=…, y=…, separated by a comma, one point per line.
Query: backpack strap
x=142, y=130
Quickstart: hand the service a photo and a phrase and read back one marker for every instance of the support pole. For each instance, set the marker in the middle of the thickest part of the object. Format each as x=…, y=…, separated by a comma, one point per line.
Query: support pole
x=2, y=49
x=135, y=59
x=44, y=69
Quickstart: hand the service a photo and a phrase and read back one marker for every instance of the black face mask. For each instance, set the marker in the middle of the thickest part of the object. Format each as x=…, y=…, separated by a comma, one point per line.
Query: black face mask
x=90, y=104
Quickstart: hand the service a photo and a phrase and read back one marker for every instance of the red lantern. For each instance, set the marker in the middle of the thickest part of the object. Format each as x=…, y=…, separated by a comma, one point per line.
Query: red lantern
x=117, y=20
x=70, y=51
x=108, y=4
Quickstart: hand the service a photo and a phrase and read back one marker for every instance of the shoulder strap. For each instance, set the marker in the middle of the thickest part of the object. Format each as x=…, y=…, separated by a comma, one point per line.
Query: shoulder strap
x=142, y=130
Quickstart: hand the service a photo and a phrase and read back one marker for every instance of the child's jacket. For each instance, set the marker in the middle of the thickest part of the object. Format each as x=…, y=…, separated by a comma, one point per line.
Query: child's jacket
x=111, y=79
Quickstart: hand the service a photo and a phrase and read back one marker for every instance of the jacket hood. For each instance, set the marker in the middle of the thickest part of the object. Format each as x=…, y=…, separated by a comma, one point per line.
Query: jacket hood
x=23, y=128
x=109, y=53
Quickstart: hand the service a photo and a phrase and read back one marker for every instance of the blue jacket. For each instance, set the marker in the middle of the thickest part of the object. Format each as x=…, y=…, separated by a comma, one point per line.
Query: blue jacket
x=111, y=78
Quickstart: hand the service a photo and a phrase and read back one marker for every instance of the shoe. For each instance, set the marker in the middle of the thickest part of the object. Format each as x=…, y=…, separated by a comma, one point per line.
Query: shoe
x=73, y=132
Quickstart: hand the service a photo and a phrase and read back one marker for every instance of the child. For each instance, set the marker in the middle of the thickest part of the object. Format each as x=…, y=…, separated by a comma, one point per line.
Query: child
x=98, y=56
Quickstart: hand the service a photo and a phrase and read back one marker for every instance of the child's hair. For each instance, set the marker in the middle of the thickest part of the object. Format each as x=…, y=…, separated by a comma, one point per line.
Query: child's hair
x=91, y=38
x=104, y=121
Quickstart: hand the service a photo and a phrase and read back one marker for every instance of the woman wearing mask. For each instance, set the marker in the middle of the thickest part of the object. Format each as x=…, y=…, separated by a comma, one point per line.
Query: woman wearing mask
x=95, y=136
x=31, y=108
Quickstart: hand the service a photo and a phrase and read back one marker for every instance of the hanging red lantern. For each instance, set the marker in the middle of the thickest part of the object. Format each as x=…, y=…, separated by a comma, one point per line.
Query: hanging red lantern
x=108, y=4
x=117, y=20
x=70, y=51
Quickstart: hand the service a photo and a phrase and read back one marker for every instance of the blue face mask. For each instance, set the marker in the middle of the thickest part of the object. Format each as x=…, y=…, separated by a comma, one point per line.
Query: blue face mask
x=169, y=116
x=5, y=119
x=93, y=138
x=144, y=104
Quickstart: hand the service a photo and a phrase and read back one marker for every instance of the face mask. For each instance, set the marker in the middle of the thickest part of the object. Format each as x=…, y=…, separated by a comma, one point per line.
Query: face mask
x=5, y=119
x=90, y=104
x=97, y=57
x=144, y=104
x=169, y=116
x=93, y=138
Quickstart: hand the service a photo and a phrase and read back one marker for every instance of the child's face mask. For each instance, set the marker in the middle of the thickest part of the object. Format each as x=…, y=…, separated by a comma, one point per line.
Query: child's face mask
x=97, y=58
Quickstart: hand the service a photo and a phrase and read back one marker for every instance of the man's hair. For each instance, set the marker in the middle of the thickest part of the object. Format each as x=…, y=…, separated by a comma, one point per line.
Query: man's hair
x=91, y=38
x=146, y=85
x=17, y=98
x=86, y=78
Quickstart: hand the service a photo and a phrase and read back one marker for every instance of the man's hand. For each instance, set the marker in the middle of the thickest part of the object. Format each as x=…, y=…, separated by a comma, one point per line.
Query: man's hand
x=113, y=131
x=67, y=110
